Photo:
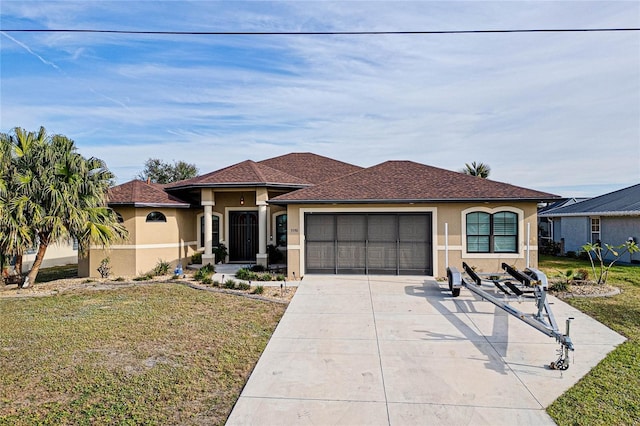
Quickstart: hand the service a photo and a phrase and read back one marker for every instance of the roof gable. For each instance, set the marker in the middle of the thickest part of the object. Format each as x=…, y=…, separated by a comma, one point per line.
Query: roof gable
x=311, y=167
x=141, y=193
x=246, y=173
x=410, y=181
x=623, y=202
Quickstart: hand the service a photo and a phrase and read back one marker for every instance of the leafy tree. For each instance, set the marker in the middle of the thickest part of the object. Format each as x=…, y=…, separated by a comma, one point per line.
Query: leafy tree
x=55, y=194
x=477, y=169
x=160, y=172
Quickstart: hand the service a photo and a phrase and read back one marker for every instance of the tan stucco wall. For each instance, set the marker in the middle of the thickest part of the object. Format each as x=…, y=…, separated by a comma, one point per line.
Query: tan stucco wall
x=444, y=215
x=173, y=241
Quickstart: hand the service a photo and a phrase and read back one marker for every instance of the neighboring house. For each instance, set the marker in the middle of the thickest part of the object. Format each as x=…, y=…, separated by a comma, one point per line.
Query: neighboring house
x=57, y=254
x=547, y=228
x=611, y=218
x=398, y=217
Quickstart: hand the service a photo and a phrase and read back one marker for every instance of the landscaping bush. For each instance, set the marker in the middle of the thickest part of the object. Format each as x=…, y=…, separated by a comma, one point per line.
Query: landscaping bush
x=230, y=284
x=265, y=277
x=258, y=268
x=162, y=267
x=145, y=277
x=246, y=274
x=205, y=272
x=258, y=290
x=244, y=286
x=220, y=252
x=105, y=268
x=196, y=258
x=207, y=281
x=280, y=277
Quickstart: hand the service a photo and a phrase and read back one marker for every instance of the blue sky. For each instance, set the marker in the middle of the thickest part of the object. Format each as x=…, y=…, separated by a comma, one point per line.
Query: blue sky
x=557, y=112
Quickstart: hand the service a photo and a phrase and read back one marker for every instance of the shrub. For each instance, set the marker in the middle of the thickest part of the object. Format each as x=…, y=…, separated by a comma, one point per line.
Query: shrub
x=581, y=275
x=196, y=258
x=258, y=268
x=246, y=274
x=258, y=290
x=105, y=268
x=230, y=284
x=145, y=277
x=205, y=272
x=280, y=277
x=572, y=255
x=216, y=283
x=244, y=286
x=560, y=286
x=207, y=281
x=119, y=279
x=162, y=267
x=220, y=252
x=265, y=277
x=550, y=247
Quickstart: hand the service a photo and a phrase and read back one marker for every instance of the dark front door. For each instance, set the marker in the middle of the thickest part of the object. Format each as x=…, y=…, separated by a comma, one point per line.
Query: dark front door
x=243, y=244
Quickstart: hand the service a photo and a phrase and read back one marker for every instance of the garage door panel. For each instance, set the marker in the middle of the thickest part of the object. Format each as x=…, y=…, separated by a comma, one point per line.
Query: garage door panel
x=321, y=257
x=352, y=257
x=382, y=258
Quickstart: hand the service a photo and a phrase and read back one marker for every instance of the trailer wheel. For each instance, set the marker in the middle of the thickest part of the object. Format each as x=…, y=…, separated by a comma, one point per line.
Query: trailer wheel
x=455, y=292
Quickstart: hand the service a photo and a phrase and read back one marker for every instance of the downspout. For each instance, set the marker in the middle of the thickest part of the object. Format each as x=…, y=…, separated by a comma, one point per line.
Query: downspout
x=446, y=245
x=528, y=244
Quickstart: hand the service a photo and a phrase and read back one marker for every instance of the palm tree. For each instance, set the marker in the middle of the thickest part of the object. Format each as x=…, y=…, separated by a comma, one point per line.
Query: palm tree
x=480, y=170
x=59, y=195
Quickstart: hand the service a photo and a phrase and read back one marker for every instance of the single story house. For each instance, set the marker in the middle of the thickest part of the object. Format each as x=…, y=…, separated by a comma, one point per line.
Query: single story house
x=611, y=218
x=329, y=217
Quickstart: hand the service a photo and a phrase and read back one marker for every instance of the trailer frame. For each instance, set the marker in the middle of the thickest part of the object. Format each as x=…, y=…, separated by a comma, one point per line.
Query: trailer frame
x=530, y=283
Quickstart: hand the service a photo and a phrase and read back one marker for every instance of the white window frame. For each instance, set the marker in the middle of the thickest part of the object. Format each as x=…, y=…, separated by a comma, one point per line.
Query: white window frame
x=519, y=243
x=595, y=221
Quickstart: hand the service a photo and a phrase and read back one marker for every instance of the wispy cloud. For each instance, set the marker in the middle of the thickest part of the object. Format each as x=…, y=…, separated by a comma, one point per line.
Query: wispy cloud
x=544, y=110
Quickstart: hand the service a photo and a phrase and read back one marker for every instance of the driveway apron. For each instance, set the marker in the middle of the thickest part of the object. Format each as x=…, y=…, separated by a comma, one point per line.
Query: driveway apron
x=379, y=350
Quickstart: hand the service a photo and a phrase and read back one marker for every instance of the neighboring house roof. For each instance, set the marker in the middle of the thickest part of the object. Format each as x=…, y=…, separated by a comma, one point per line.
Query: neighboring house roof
x=406, y=181
x=560, y=203
x=311, y=167
x=139, y=193
x=246, y=173
x=623, y=202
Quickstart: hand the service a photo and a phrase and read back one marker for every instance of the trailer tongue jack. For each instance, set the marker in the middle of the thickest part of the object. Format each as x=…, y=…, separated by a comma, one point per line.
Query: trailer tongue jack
x=514, y=285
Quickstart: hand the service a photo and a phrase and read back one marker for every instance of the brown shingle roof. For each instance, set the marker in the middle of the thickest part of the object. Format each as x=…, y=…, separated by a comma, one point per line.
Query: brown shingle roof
x=409, y=181
x=246, y=173
x=140, y=193
x=311, y=167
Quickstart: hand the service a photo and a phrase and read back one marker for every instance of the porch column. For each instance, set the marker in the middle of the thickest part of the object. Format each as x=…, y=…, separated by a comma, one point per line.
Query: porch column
x=261, y=257
x=207, y=256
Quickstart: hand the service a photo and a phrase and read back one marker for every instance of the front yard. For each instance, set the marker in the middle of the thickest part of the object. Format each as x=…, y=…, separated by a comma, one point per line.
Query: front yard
x=610, y=393
x=145, y=354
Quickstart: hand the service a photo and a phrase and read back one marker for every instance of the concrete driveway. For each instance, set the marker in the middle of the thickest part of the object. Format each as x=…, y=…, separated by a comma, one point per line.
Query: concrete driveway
x=377, y=350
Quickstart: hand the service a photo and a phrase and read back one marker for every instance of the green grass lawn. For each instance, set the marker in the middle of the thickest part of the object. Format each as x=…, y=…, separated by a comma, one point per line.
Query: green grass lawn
x=152, y=354
x=610, y=393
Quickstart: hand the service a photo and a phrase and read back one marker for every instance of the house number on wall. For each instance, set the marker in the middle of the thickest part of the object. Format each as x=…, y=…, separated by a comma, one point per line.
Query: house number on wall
x=293, y=230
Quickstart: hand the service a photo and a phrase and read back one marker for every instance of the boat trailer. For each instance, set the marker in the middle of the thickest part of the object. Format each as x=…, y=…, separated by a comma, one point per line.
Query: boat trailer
x=514, y=286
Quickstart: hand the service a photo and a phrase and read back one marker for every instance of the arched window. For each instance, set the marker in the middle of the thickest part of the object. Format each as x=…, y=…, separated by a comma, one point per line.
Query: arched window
x=492, y=233
x=156, y=217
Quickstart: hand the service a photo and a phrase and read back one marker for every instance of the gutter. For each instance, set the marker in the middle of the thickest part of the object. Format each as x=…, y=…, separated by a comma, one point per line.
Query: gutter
x=405, y=201
x=628, y=213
